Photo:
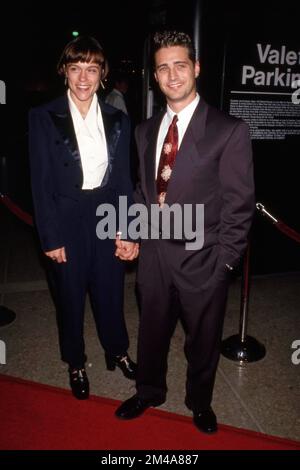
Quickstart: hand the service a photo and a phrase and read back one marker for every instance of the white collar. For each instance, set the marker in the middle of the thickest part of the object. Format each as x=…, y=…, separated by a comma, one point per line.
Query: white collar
x=114, y=90
x=186, y=112
x=91, y=117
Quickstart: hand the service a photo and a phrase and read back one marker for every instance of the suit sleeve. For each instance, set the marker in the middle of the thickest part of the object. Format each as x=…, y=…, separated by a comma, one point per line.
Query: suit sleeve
x=42, y=181
x=125, y=184
x=237, y=186
x=138, y=194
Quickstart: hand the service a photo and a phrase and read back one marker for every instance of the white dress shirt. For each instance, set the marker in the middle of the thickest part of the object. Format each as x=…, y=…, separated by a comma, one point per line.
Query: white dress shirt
x=91, y=141
x=184, y=117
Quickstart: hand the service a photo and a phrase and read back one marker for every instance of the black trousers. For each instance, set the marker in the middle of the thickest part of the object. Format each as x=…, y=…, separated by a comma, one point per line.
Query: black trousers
x=92, y=268
x=170, y=288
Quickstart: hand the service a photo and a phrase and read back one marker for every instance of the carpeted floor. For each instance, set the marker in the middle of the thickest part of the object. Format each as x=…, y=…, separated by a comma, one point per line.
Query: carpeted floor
x=35, y=416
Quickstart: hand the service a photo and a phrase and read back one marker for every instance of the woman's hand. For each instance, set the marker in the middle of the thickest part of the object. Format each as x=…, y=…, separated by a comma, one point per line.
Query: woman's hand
x=126, y=251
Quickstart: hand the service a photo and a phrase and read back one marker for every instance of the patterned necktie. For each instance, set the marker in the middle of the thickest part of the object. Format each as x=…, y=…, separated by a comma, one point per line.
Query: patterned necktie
x=167, y=160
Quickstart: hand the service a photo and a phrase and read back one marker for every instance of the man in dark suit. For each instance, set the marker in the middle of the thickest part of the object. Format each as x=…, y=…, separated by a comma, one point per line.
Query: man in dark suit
x=190, y=154
x=79, y=151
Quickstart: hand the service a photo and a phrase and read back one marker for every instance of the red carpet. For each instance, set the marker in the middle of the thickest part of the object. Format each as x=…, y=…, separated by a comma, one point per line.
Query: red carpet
x=35, y=416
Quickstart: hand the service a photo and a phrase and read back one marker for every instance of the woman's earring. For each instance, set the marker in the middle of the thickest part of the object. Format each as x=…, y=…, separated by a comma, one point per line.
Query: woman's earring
x=102, y=84
x=66, y=80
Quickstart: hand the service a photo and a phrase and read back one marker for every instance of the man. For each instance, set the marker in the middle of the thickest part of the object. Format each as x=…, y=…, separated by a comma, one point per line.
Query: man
x=116, y=97
x=79, y=152
x=213, y=167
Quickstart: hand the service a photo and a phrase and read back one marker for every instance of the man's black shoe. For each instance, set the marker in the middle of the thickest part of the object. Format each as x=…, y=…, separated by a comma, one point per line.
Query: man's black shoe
x=79, y=383
x=135, y=406
x=127, y=366
x=206, y=421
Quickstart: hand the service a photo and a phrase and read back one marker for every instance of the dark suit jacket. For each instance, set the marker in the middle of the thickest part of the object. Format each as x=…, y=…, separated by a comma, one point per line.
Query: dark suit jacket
x=56, y=171
x=213, y=167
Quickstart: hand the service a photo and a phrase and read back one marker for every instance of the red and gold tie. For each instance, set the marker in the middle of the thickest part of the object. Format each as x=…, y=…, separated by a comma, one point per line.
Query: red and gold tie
x=167, y=160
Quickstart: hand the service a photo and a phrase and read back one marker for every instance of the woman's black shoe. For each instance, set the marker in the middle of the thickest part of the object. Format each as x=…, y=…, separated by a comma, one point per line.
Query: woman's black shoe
x=127, y=366
x=79, y=383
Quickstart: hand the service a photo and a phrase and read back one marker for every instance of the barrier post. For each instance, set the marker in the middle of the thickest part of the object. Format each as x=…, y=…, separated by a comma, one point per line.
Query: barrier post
x=242, y=347
x=7, y=316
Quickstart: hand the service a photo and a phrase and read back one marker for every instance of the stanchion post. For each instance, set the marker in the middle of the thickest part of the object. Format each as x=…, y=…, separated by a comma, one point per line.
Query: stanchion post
x=7, y=316
x=241, y=347
x=245, y=289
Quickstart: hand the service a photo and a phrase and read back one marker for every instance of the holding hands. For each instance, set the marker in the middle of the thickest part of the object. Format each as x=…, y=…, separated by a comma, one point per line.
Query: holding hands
x=125, y=250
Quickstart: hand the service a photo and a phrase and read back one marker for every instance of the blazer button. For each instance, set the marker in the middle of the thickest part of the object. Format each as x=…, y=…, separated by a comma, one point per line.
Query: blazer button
x=57, y=142
x=76, y=185
x=66, y=164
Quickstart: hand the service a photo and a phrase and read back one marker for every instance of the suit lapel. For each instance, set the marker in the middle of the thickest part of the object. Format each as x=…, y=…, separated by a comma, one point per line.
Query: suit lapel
x=188, y=154
x=62, y=120
x=150, y=157
x=112, y=127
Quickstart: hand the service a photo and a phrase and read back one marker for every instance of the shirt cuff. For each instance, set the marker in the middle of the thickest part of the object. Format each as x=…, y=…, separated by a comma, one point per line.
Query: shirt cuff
x=230, y=268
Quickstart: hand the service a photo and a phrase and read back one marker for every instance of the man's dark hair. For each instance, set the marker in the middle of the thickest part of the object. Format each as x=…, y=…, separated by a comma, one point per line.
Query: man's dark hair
x=174, y=38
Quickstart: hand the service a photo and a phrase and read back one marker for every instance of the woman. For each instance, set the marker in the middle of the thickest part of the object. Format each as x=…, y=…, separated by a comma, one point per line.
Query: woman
x=79, y=152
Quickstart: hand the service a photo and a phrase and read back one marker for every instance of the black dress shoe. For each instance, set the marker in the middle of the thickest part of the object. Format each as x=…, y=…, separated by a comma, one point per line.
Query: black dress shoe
x=135, y=407
x=79, y=383
x=127, y=366
x=206, y=421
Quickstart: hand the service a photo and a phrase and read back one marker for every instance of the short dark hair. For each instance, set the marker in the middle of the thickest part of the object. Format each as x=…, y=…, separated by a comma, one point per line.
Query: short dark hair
x=174, y=38
x=82, y=49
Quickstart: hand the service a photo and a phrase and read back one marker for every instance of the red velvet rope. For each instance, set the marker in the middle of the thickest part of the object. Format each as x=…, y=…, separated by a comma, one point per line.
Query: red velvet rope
x=291, y=233
x=27, y=218
x=16, y=210
x=281, y=226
